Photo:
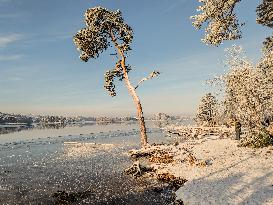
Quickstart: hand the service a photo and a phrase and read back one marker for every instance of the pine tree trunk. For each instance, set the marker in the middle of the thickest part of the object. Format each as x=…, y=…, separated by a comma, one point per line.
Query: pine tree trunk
x=140, y=116
x=132, y=92
x=141, y=123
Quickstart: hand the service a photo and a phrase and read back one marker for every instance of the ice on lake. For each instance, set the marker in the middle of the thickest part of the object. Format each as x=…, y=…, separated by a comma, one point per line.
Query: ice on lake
x=83, y=166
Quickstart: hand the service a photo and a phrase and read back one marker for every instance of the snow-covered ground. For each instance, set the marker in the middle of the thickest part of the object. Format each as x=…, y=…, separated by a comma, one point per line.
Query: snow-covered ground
x=219, y=172
x=236, y=175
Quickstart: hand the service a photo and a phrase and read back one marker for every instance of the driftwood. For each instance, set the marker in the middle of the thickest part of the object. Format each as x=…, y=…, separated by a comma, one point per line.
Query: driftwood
x=134, y=169
x=138, y=169
x=174, y=182
x=174, y=133
x=167, y=154
x=153, y=154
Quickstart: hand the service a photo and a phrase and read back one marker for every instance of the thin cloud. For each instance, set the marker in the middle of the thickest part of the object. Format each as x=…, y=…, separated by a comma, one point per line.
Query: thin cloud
x=15, y=78
x=35, y=38
x=174, y=5
x=2, y=2
x=10, y=57
x=64, y=96
x=5, y=16
x=6, y=1
x=9, y=39
x=10, y=78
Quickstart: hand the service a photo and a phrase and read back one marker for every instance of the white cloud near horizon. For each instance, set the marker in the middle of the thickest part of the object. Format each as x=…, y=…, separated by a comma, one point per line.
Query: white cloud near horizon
x=9, y=39
x=5, y=16
x=10, y=57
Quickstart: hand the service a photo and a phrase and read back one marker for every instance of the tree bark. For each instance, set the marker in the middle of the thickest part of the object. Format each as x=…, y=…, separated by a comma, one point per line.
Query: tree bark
x=140, y=116
x=132, y=91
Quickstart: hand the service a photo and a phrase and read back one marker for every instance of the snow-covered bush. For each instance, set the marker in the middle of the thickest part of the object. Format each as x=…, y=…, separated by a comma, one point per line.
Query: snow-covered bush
x=207, y=111
x=257, y=139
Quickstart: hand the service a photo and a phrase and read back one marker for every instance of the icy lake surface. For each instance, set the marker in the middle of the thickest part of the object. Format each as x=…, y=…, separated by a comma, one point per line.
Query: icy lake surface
x=75, y=165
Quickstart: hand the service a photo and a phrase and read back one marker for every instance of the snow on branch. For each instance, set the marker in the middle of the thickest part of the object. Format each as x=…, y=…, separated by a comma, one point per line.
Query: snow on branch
x=152, y=75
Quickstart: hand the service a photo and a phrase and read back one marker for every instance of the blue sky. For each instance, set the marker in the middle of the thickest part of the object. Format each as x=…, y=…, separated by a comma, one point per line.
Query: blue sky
x=40, y=71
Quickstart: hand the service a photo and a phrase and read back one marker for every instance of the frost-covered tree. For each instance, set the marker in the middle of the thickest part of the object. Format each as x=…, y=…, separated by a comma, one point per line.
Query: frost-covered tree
x=247, y=96
x=241, y=96
x=221, y=21
x=265, y=13
x=104, y=29
x=207, y=111
x=265, y=18
x=247, y=88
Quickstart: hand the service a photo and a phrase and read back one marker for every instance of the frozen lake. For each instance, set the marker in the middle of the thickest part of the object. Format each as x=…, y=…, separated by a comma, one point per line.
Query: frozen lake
x=75, y=165
x=36, y=133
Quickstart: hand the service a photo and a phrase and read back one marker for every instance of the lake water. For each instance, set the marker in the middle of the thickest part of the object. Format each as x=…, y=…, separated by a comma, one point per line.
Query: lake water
x=76, y=165
x=36, y=133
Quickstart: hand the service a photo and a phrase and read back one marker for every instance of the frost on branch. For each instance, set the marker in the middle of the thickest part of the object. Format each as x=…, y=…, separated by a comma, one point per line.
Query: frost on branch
x=265, y=13
x=207, y=111
x=265, y=17
x=222, y=23
x=268, y=44
x=244, y=98
x=151, y=75
x=101, y=26
x=110, y=76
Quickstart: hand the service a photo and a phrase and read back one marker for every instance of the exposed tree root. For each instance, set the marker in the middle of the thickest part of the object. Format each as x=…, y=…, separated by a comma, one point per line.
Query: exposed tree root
x=164, y=158
x=138, y=170
x=174, y=182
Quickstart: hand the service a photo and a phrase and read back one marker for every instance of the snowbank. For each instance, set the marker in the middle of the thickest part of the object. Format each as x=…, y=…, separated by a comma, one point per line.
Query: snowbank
x=235, y=176
x=219, y=172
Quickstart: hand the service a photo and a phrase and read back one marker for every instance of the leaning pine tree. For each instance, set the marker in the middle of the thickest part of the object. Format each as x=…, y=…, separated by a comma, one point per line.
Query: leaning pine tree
x=104, y=29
